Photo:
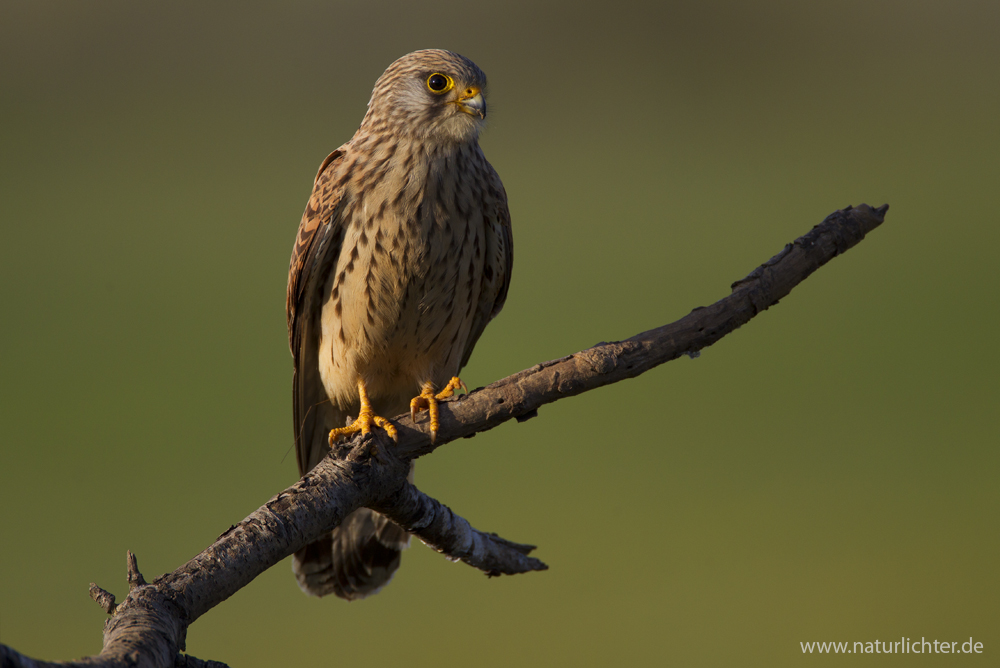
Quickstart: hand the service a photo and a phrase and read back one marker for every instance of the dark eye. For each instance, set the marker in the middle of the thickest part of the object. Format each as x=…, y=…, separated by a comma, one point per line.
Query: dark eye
x=439, y=83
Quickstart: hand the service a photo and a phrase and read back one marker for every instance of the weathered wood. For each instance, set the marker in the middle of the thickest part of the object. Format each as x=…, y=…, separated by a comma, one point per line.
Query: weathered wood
x=149, y=627
x=441, y=529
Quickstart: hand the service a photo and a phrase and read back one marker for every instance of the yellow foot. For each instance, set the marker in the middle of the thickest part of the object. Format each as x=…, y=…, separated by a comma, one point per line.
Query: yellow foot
x=366, y=418
x=427, y=400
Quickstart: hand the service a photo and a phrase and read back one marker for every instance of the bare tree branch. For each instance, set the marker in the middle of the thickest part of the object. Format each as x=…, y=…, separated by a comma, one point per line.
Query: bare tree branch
x=441, y=529
x=149, y=627
x=523, y=393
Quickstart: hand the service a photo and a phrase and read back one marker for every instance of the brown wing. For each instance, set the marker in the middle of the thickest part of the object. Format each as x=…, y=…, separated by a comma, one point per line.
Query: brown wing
x=317, y=246
x=319, y=208
x=499, y=262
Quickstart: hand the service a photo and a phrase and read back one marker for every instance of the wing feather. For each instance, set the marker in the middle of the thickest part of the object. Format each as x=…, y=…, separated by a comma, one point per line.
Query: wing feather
x=499, y=263
x=317, y=246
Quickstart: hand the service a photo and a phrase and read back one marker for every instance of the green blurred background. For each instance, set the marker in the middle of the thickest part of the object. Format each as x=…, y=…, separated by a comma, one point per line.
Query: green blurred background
x=829, y=472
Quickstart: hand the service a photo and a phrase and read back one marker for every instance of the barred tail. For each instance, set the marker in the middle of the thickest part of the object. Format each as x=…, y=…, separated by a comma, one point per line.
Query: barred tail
x=355, y=560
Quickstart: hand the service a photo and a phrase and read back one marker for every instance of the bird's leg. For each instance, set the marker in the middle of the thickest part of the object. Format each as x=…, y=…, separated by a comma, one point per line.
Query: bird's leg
x=366, y=418
x=427, y=400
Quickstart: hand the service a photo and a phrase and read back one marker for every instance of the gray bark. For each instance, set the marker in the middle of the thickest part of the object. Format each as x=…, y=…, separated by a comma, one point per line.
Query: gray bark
x=149, y=627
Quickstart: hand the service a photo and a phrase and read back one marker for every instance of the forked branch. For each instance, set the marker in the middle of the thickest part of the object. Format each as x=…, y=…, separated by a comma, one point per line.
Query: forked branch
x=148, y=628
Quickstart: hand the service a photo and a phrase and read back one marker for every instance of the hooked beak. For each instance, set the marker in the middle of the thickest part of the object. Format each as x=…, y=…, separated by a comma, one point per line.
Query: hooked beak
x=472, y=102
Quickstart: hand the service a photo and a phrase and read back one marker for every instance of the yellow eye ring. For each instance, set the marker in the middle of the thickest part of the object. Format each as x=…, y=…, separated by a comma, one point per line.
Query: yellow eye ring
x=438, y=83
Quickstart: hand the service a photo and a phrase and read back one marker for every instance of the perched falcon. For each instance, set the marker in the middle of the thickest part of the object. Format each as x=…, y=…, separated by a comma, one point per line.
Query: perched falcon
x=402, y=257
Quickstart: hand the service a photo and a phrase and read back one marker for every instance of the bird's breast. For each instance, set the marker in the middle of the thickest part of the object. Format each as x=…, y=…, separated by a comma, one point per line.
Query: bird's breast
x=402, y=294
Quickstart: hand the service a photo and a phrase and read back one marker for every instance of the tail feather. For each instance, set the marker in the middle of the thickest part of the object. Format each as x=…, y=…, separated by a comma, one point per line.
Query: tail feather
x=356, y=560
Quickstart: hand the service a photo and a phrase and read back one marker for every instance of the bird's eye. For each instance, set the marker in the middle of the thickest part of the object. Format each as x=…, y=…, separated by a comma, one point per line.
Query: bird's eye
x=440, y=83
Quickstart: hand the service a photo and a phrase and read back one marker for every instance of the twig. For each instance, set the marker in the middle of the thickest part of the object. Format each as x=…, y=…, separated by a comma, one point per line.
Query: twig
x=441, y=529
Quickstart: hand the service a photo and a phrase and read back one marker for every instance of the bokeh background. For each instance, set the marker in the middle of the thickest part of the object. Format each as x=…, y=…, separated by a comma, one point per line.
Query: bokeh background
x=828, y=472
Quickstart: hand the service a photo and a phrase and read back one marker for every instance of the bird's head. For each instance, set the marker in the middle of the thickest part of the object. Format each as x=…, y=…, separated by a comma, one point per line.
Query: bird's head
x=432, y=95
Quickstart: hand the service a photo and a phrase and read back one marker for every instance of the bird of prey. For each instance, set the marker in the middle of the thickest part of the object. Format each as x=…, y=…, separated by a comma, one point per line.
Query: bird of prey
x=402, y=257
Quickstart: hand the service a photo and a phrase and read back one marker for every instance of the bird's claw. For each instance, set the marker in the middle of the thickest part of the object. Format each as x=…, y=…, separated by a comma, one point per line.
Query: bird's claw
x=366, y=418
x=428, y=401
